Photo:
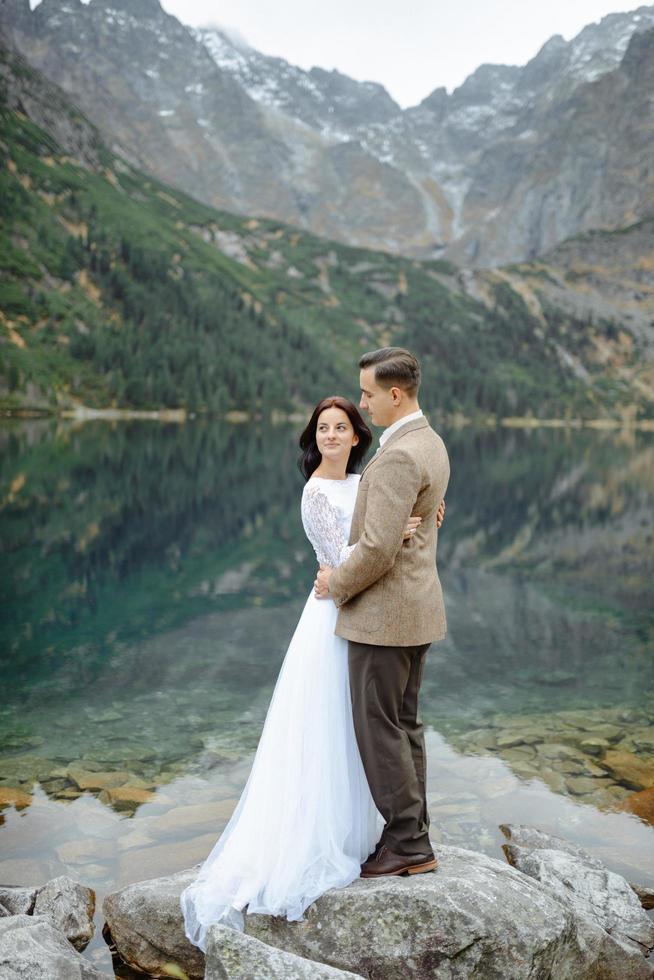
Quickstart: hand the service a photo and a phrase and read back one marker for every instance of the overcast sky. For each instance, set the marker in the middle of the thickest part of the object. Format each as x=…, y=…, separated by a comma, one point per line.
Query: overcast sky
x=410, y=46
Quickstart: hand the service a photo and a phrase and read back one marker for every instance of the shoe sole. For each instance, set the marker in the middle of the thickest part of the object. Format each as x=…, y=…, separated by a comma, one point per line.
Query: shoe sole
x=414, y=869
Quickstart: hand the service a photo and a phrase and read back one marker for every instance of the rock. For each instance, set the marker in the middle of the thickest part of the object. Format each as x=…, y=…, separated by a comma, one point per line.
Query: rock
x=18, y=900
x=232, y=955
x=25, y=768
x=474, y=918
x=81, y=851
x=480, y=738
x=571, y=767
x=84, y=764
x=135, y=838
x=467, y=920
x=146, y=924
x=521, y=753
x=594, y=745
x=180, y=818
x=147, y=862
x=9, y=796
x=583, y=882
x=533, y=839
x=509, y=739
x=641, y=804
x=525, y=769
x=54, y=785
x=33, y=949
x=629, y=769
x=94, y=780
x=643, y=738
x=70, y=793
x=602, y=730
x=554, y=780
x=70, y=907
x=556, y=750
x=645, y=895
x=126, y=797
x=582, y=784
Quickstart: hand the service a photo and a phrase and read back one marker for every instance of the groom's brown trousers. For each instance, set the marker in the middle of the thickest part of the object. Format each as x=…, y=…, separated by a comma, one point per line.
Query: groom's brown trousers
x=385, y=681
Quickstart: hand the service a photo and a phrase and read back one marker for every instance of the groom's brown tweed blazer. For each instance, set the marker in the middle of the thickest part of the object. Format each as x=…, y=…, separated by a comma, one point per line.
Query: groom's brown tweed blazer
x=388, y=592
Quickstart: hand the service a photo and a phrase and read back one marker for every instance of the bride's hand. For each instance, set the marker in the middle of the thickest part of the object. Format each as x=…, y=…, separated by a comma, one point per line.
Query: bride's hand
x=440, y=513
x=410, y=530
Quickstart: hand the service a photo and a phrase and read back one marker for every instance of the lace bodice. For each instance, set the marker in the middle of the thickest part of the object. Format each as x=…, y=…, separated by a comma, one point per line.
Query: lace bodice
x=327, y=508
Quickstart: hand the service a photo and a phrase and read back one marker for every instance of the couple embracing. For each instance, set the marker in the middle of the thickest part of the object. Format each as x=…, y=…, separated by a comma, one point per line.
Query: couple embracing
x=337, y=785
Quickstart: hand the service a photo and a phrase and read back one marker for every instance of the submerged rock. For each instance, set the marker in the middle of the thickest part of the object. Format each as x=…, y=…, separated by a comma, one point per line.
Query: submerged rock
x=641, y=805
x=627, y=768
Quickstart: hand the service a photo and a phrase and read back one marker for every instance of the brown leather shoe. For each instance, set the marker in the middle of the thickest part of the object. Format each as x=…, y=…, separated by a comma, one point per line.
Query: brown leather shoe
x=374, y=853
x=386, y=862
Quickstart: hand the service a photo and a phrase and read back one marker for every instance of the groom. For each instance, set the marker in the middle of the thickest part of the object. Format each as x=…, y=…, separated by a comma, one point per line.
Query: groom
x=391, y=605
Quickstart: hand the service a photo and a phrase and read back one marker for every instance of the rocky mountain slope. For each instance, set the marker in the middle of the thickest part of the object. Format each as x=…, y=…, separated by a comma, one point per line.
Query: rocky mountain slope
x=118, y=289
x=507, y=165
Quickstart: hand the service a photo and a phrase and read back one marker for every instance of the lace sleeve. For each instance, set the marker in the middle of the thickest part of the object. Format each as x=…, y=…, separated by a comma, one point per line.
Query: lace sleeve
x=323, y=528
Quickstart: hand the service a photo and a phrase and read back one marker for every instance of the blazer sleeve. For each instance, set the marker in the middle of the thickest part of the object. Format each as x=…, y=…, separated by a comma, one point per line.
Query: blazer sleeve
x=393, y=487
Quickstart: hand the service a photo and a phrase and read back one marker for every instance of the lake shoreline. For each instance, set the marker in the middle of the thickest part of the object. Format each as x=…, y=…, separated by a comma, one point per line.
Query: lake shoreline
x=456, y=420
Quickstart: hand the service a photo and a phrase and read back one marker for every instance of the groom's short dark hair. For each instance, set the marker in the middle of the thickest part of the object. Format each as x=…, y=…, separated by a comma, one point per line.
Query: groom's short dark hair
x=394, y=366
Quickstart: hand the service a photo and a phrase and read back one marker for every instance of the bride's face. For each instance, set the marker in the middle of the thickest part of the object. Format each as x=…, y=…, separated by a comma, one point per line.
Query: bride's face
x=335, y=435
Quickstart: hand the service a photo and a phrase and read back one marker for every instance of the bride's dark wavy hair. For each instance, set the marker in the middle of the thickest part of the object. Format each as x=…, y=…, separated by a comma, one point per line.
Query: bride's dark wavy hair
x=311, y=458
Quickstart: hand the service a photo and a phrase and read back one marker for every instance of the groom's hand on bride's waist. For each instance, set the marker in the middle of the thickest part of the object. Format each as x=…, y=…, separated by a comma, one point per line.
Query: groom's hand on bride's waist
x=321, y=585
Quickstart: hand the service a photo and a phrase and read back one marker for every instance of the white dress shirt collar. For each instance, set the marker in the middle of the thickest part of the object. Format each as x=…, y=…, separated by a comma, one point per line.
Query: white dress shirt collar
x=396, y=425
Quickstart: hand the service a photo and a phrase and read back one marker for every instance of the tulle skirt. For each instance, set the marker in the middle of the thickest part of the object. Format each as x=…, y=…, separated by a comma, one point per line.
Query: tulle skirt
x=305, y=820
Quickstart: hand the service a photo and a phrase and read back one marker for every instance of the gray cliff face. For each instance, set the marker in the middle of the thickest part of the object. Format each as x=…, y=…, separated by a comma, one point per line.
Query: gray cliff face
x=510, y=163
x=590, y=153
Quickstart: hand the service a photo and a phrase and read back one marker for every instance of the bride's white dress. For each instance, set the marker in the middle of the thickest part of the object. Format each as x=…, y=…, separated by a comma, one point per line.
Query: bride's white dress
x=305, y=820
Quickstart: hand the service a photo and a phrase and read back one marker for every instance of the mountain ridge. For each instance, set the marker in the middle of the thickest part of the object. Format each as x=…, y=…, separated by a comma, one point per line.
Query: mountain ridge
x=254, y=134
x=121, y=291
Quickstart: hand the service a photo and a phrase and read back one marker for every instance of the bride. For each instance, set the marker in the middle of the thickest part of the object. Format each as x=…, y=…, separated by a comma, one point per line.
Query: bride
x=305, y=820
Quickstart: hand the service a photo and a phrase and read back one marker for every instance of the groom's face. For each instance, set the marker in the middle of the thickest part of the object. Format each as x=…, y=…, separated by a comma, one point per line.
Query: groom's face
x=380, y=403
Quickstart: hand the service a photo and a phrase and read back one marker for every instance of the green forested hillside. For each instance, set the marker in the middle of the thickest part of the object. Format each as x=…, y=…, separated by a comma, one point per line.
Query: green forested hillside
x=117, y=290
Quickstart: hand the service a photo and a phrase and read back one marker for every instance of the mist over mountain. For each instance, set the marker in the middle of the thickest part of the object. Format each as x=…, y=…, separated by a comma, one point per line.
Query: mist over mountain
x=510, y=163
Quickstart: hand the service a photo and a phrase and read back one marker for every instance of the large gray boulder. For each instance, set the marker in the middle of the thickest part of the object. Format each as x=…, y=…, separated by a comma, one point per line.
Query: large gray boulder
x=469, y=919
x=68, y=905
x=16, y=899
x=146, y=924
x=473, y=918
x=232, y=955
x=31, y=948
x=581, y=880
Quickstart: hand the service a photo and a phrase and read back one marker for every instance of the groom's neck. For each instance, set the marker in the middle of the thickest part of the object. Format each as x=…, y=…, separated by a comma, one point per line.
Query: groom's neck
x=402, y=412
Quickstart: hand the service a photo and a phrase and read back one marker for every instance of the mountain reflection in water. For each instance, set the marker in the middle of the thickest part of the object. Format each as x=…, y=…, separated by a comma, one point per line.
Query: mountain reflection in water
x=153, y=575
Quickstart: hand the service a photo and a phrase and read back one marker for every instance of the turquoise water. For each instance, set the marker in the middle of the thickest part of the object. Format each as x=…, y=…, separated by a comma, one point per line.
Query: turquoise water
x=152, y=575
